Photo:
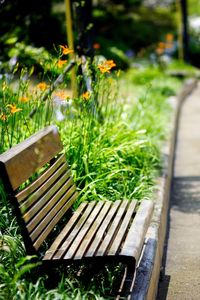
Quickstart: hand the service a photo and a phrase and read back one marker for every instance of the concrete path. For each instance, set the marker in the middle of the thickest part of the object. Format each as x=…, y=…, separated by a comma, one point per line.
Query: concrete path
x=181, y=280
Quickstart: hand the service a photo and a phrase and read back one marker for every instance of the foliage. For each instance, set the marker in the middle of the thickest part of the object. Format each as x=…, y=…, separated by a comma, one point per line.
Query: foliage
x=193, y=7
x=112, y=138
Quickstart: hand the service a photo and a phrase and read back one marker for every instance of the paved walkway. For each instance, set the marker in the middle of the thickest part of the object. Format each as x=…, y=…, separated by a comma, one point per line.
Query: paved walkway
x=182, y=256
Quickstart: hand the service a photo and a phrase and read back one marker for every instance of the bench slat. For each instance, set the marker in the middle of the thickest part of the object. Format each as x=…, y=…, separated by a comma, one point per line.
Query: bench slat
x=101, y=231
x=123, y=229
x=93, y=229
x=45, y=198
x=23, y=160
x=135, y=237
x=63, y=234
x=41, y=213
x=74, y=233
x=113, y=229
x=37, y=194
x=43, y=177
x=54, y=221
x=73, y=248
x=52, y=213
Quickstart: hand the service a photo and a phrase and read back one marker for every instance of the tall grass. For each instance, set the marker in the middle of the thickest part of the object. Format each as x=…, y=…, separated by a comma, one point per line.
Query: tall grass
x=112, y=138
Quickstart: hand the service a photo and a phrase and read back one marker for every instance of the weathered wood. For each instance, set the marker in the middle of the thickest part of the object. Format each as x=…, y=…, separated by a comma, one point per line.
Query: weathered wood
x=105, y=230
x=38, y=195
x=77, y=241
x=92, y=231
x=61, y=237
x=134, y=240
x=41, y=213
x=112, y=230
x=54, y=221
x=75, y=231
x=101, y=231
x=24, y=159
x=42, y=179
x=127, y=220
x=55, y=212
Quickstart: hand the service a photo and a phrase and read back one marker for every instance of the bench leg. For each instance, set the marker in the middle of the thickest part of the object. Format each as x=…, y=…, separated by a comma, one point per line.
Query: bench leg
x=127, y=282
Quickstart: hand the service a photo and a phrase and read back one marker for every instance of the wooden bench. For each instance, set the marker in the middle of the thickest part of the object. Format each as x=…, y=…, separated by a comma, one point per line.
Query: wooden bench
x=105, y=231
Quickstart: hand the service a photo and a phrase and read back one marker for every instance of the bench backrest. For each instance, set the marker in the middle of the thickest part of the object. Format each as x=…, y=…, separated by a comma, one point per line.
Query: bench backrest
x=42, y=203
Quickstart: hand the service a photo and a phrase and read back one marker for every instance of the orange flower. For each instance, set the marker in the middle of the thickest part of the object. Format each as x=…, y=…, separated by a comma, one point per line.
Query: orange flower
x=161, y=45
x=110, y=63
x=61, y=95
x=169, y=37
x=61, y=63
x=86, y=95
x=13, y=108
x=104, y=69
x=66, y=50
x=42, y=86
x=24, y=99
x=106, y=66
x=3, y=117
x=96, y=46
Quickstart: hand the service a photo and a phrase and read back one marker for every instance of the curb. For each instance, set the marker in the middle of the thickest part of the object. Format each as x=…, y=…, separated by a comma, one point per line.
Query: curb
x=148, y=270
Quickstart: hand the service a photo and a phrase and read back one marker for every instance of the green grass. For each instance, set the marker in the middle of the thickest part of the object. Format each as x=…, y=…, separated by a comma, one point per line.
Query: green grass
x=113, y=149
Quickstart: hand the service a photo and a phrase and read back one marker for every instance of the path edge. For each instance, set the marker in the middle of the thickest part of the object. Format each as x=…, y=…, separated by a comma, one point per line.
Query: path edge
x=148, y=270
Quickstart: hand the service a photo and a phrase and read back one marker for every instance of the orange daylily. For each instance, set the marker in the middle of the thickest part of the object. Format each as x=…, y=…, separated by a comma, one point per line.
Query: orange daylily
x=104, y=69
x=169, y=37
x=61, y=63
x=66, y=50
x=106, y=66
x=42, y=86
x=61, y=95
x=110, y=63
x=86, y=95
x=161, y=45
x=13, y=108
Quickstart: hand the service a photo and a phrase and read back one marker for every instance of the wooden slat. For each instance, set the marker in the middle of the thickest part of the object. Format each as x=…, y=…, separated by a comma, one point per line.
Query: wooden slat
x=135, y=237
x=43, y=177
x=24, y=159
x=102, y=230
x=54, y=221
x=75, y=231
x=123, y=229
x=63, y=234
x=37, y=194
x=47, y=219
x=51, y=204
x=77, y=241
x=112, y=230
x=93, y=229
x=45, y=198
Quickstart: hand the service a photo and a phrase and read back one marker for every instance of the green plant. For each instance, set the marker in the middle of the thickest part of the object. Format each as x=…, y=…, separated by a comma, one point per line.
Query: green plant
x=112, y=135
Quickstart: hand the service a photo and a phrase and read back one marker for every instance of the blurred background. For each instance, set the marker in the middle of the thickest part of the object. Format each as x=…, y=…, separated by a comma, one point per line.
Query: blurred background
x=128, y=31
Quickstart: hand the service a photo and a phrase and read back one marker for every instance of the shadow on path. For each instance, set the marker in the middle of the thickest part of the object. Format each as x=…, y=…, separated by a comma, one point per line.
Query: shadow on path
x=185, y=198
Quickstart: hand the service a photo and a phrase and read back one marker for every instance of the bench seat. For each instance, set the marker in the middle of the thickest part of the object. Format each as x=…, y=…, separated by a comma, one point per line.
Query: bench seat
x=103, y=229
